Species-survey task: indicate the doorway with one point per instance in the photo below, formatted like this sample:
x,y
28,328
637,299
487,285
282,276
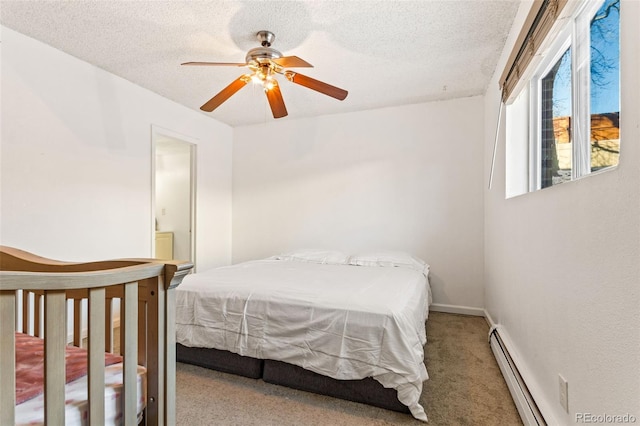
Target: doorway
x,y
174,196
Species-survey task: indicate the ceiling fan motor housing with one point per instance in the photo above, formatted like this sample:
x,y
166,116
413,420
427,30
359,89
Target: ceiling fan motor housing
x,y
262,54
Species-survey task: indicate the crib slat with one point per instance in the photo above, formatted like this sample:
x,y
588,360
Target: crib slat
x,y
77,323
36,315
96,356
155,353
108,332
25,311
142,331
7,356
170,342
130,352
122,336
54,360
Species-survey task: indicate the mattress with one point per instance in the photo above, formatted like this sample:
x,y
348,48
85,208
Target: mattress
x,y
342,321
30,384
31,412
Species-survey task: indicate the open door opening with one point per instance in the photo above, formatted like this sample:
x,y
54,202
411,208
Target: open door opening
x,y
173,204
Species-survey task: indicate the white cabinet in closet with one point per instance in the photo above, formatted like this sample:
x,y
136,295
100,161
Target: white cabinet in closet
x,y
164,245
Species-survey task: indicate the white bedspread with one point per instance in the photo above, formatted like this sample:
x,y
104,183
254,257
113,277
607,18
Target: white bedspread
x,y
342,321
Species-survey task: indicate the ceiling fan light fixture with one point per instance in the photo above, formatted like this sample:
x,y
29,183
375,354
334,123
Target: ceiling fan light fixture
x,y
263,76
264,62
269,84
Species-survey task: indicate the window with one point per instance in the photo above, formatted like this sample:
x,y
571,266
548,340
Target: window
x,y
573,96
605,86
554,105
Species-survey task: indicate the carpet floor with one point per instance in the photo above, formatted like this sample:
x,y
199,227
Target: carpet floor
x,y
465,387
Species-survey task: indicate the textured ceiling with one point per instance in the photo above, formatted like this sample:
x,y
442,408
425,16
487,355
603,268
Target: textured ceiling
x,y
385,53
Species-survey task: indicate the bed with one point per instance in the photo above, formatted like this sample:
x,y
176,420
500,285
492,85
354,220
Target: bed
x,y
347,326
91,385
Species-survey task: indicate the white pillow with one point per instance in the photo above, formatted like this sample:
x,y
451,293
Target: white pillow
x,y
315,256
390,258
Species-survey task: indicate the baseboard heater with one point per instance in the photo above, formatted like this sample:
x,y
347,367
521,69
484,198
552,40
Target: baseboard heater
x,y
525,404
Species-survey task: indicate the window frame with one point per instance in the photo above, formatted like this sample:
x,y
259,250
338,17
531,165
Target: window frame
x,y
562,42
573,31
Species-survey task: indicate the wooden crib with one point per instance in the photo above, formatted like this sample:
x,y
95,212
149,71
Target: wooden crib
x,y
145,288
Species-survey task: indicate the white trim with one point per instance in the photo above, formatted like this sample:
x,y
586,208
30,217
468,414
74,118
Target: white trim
x,y
456,309
194,194
489,319
535,129
581,91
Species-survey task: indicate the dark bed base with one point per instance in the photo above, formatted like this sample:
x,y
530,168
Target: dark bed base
x,y
224,361
366,391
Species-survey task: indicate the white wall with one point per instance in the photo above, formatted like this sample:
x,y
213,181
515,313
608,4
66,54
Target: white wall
x,y
404,178
562,271
76,160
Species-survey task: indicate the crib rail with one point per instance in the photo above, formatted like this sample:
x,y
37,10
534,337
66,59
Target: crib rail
x,y
42,287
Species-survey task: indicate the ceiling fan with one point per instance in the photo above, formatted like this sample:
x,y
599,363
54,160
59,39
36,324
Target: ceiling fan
x,y
264,62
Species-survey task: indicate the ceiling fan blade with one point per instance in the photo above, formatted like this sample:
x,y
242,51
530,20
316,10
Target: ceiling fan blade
x,y
317,85
292,62
214,64
225,93
276,102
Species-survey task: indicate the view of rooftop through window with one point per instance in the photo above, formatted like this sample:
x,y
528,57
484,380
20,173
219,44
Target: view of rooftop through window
x,y
555,155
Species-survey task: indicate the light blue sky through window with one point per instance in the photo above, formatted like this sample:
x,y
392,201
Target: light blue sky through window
x,y
605,59
605,66
562,87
